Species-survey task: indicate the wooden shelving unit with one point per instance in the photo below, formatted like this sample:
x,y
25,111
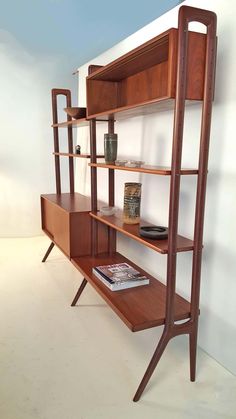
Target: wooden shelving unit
x,y
168,72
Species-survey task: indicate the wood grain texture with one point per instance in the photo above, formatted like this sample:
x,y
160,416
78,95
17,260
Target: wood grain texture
x,y
132,231
144,86
195,66
153,170
101,95
79,234
56,223
139,308
172,61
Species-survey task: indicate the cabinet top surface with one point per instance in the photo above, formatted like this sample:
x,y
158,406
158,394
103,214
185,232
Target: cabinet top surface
x,y
70,202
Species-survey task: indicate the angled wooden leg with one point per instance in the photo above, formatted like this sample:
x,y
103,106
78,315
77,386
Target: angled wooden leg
x,y
79,292
193,353
151,367
48,252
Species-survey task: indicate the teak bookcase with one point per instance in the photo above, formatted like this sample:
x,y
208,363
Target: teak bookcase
x,y
166,72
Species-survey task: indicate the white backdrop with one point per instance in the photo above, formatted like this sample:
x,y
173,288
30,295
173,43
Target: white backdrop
x,y
26,166
26,140
149,138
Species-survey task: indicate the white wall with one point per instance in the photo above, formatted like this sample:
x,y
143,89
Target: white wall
x,y
149,138
26,161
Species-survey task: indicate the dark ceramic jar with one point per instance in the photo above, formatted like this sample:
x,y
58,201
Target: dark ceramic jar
x,y
110,148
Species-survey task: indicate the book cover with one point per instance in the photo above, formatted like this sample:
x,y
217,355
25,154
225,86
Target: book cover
x,y
120,276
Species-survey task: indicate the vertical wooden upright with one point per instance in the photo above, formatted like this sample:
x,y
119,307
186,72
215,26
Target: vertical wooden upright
x,y
93,151
190,327
55,94
93,159
111,194
67,94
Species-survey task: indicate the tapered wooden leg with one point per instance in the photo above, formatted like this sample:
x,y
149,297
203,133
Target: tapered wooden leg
x,y
79,292
193,353
48,252
151,367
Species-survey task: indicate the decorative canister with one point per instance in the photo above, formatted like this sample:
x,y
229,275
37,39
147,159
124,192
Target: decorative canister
x,y
110,148
132,200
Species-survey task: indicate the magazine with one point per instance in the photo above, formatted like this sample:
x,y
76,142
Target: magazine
x,y
120,276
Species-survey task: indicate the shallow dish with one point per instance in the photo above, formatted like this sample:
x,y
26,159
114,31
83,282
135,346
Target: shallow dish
x,y
108,210
134,163
120,162
154,232
75,112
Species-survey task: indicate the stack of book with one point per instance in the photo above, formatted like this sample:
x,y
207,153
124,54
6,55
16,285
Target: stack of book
x,y
120,276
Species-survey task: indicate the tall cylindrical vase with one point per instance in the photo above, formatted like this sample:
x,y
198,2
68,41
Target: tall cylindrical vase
x,y
110,148
132,201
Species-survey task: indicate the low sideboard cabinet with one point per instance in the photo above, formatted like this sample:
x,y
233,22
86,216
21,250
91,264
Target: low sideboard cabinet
x,y
67,223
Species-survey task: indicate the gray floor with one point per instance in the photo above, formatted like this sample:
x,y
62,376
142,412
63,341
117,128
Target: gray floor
x,y
59,362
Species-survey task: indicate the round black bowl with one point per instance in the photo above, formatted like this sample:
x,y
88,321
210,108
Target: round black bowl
x,y
154,232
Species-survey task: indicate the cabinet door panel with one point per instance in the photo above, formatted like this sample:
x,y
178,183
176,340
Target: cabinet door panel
x,y
55,222
80,234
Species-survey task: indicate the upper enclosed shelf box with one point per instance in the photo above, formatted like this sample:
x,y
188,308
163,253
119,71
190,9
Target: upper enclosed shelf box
x,y
145,78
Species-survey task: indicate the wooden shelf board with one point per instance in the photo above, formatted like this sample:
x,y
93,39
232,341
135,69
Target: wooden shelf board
x,y
140,307
70,202
161,104
156,170
81,156
82,122
132,230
